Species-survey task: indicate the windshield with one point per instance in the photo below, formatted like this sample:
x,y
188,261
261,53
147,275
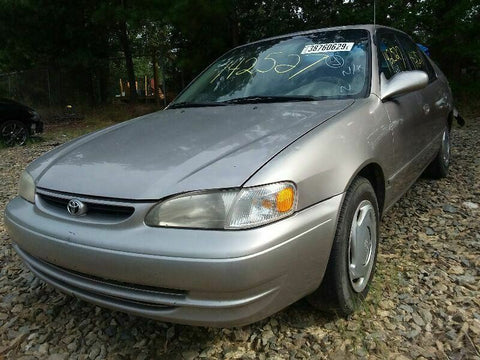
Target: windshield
x,y
322,65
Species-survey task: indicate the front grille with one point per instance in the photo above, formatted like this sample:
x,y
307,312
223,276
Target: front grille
x,y
124,294
119,284
96,208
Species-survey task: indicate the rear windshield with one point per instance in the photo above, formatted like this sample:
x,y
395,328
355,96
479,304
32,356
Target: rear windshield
x,y
330,64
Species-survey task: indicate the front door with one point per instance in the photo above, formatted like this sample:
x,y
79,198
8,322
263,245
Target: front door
x,y
406,116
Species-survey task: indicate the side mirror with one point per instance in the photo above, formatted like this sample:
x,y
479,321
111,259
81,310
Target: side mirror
x,y
401,83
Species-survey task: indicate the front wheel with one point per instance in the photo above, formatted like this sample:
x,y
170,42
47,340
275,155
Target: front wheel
x,y
13,132
352,260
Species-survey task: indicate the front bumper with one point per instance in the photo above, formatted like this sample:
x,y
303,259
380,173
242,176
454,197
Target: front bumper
x,y
197,277
37,126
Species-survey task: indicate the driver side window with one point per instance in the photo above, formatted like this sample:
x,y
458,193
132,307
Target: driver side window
x,y
390,56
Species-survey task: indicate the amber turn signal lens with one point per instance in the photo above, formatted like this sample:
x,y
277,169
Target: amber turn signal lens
x,y
285,199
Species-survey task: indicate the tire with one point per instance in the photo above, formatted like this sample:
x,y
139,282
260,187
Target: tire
x,y
14,132
354,252
438,168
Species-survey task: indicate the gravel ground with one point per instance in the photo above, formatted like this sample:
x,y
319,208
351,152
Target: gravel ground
x,y
424,303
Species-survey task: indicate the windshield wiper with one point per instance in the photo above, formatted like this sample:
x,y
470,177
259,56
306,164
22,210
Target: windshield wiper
x,y
187,104
269,99
244,100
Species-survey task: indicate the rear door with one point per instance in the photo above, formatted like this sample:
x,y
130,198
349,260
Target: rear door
x,y
434,99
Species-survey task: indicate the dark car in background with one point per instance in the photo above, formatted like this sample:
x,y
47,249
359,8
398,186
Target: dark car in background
x,y
17,122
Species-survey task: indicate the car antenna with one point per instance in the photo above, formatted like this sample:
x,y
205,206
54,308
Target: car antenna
x,y
374,13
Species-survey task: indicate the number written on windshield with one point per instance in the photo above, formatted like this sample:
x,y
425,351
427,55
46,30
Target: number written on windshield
x,y
272,62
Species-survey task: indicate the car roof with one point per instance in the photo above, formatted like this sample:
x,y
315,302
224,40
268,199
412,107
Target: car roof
x,y
369,27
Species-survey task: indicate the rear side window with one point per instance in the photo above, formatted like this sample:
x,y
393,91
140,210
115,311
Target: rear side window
x,y
390,57
416,57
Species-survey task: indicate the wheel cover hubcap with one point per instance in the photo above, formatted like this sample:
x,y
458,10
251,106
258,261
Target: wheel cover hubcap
x,y
362,245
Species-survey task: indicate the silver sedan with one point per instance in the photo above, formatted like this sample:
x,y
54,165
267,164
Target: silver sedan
x,y
262,183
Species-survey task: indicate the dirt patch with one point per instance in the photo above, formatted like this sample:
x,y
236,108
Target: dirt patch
x,y
424,304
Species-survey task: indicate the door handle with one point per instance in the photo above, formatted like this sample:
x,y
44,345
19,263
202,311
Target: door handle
x,y
426,109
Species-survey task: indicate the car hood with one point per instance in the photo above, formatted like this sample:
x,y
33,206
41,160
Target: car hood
x,y
179,150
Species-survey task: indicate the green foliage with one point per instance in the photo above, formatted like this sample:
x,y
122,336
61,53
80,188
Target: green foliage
x,y
99,41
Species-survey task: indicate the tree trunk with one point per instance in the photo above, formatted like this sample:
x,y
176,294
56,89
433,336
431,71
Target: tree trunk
x,y
155,77
163,78
104,77
125,43
234,27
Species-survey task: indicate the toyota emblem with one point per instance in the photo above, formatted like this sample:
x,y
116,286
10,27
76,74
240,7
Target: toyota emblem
x,y
76,207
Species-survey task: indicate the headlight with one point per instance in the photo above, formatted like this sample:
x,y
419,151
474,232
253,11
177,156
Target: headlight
x,y
26,187
226,209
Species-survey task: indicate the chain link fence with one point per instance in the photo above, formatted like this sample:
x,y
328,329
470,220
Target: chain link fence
x,y
42,88
53,88
32,87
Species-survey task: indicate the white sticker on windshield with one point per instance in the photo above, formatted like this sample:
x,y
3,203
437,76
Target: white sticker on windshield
x,y
322,48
